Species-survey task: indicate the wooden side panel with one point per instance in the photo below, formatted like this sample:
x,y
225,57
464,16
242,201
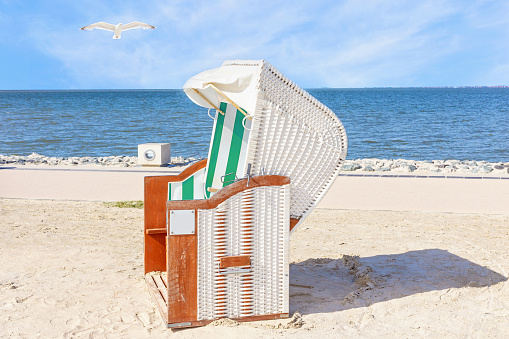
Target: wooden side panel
x,y
156,197
183,277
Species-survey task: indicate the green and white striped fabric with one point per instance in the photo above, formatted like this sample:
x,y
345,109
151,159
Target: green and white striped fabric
x,y
227,155
190,189
228,148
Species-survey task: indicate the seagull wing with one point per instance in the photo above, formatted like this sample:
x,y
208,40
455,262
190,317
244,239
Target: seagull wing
x,y
99,25
136,24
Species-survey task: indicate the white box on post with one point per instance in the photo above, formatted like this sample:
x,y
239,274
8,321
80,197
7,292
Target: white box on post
x,y
154,154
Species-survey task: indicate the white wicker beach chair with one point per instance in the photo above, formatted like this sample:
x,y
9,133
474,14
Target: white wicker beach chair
x,y
216,235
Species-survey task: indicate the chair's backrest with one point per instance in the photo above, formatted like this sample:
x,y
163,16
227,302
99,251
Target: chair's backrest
x,y
228,148
291,133
226,157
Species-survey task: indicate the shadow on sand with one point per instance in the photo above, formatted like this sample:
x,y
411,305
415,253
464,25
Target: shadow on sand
x,y
329,285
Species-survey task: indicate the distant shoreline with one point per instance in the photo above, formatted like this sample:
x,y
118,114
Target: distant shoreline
x,y
179,89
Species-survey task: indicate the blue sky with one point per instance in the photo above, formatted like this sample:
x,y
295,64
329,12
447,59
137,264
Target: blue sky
x,y
318,43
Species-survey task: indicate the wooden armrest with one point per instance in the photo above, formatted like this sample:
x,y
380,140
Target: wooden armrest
x,y
227,192
156,231
188,171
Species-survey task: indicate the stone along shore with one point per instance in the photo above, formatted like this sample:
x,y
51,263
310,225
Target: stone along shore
x,y
435,166
118,161
362,165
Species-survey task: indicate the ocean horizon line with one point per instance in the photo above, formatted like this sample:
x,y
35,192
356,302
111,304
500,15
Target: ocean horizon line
x,y
306,88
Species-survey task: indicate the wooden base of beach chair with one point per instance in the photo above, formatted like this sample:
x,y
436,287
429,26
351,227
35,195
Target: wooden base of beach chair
x,y
223,257
158,286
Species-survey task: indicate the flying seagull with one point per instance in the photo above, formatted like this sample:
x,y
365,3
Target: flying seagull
x,y
117,28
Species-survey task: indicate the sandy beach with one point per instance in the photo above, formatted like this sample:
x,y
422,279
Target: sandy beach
x,y
339,169
74,269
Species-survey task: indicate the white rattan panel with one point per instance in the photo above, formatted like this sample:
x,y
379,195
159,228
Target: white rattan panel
x,y
294,135
255,223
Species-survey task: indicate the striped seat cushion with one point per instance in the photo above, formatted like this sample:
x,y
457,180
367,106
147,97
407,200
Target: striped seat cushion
x,y
227,157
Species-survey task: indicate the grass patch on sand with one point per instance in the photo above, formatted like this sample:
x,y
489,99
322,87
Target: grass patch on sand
x,y
125,204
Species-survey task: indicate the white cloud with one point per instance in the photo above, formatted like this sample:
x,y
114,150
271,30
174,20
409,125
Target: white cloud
x,y
371,44
316,43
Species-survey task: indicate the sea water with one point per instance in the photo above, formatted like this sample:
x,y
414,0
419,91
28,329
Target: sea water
x,y
413,123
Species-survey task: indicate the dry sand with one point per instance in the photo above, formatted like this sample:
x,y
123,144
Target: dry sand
x,y
75,269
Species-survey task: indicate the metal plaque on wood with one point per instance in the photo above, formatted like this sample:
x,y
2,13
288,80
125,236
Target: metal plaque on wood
x,y
182,222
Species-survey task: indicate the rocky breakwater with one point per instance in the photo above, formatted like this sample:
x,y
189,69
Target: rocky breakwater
x,y
434,166
358,165
118,161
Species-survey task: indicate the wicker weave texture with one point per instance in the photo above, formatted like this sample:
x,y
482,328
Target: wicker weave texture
x,y
254,223
295,135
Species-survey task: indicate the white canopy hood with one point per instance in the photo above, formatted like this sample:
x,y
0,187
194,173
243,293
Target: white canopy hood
x,y
236,82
